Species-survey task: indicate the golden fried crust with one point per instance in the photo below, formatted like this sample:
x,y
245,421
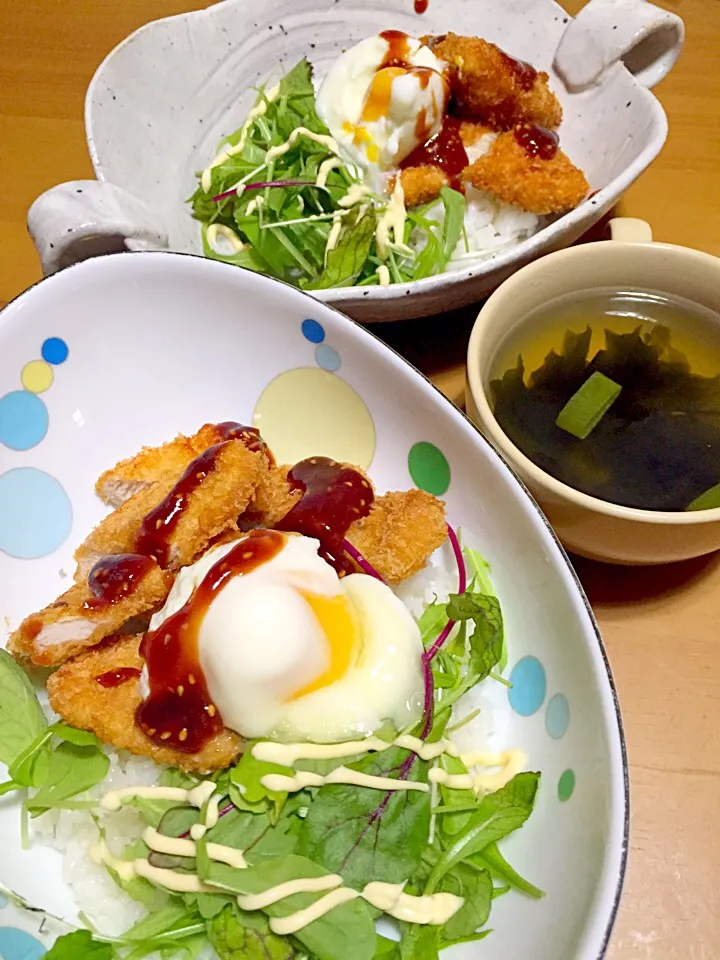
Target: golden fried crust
x,y
400,532
273,499
423,184
471,132
110,712
212,508
75,622
488,85
537,185
153,464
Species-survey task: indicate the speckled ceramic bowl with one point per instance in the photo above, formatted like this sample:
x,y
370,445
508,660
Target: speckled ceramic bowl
x,y
109,355
162,100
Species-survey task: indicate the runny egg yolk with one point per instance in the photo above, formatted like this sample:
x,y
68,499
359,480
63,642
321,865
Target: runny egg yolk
x,y
338,623
360,135
377,102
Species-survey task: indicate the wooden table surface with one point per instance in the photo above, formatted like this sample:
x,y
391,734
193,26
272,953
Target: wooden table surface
x,y
661,626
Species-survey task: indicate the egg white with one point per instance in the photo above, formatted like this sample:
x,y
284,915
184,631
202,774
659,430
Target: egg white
x,y
261,643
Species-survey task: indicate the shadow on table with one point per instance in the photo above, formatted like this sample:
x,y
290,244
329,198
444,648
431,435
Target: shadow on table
x,y
607,584
439,343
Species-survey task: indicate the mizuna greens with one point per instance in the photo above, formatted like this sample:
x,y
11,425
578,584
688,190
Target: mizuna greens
x,y
445,840
284,220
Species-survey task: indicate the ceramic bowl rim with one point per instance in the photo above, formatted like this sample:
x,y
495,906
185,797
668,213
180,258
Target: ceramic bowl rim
x,y
615,883
511,452
435,284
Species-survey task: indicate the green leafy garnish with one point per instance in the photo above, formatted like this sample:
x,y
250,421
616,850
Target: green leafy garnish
x,y
72,770
78,944
231,940
346,260
21,718
586,408
706,501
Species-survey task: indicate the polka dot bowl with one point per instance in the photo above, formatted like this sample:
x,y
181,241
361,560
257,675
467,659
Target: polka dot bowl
x,y
127,350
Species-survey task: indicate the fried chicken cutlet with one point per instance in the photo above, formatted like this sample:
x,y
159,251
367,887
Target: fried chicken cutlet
x,y
204,502
541,186
76,620
109,712
397,537
157,464
489,85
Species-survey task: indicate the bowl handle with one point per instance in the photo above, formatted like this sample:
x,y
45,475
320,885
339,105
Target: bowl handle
x,y
85,218
630,230
647,39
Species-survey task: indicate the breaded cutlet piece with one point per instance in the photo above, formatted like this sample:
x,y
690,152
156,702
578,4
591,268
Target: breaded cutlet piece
x,y
400,532
273,498
488,85
75,622
153,464
532,183
422,184
471,132
110,712
212,507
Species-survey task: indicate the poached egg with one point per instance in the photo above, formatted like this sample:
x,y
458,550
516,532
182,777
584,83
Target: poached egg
x,y
383,98
290,651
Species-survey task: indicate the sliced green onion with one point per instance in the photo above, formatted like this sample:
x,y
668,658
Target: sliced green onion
x,y
707,500
586,408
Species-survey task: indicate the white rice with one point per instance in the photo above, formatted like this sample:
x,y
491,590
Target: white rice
x,y
489,224
72,832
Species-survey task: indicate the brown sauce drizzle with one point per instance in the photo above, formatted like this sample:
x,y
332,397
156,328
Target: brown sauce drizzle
x,y
445,150
159,525
524,73
537,141
179,711
114,678
421,6
115,577
333,497
250,436
398,51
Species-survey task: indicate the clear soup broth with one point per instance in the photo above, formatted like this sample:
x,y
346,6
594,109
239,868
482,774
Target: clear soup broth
x,y
657,445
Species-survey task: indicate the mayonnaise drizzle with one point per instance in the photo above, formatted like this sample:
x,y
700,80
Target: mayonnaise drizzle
x,y
196,797
390,898
511,763
301,918
257,111
287,754
332,163
393,219
181,847
334,234
356,193
258,901
101,853
216,230
282,784
282,148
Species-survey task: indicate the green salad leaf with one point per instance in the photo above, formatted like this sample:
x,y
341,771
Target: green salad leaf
x,y
231,940
21,718
491,859
498,815
346,260
78,944
363,834
72,769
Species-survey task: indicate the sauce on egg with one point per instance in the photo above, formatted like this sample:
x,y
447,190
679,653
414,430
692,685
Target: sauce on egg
x,y
445,150
333,497
179,711
115,577
398,51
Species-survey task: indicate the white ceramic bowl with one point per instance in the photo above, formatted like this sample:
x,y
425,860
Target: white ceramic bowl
x,y
162,100
140,346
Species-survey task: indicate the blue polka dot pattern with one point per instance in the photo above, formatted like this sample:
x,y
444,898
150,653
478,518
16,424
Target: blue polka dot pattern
x,y
35,513
55,350
557,716
529,685
23,420
17,945
313,331
327,357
